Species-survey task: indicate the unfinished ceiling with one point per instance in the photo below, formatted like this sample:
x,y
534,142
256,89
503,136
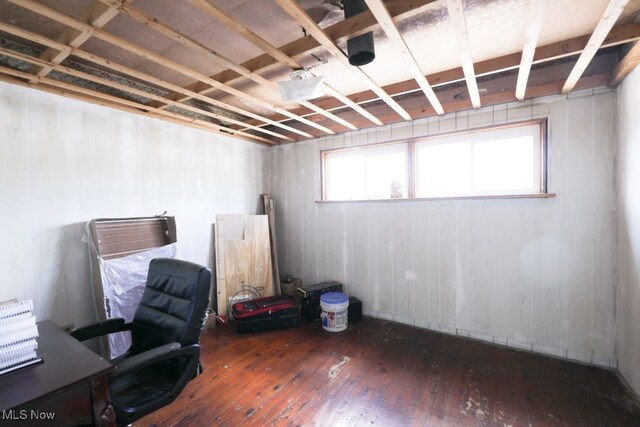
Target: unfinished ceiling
x,y
214,64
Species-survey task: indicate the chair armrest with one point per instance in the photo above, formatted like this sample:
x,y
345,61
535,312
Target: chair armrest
x,y
105,327
153,356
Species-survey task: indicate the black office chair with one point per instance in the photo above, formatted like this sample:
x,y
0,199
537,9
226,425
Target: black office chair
x,y
165,334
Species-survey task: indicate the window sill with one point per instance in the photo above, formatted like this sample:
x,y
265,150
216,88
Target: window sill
x,y
430,199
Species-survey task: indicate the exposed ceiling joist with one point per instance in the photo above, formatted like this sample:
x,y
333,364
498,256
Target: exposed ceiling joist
x,y
608,20
103,81
99,101
114,101
536,13
185,40
276,53
98,15
245,32
348,102
350,27
456,16
158,59
386,22
338,32
620,34
543,81
36,38
172,87
136,74
301,17
627,65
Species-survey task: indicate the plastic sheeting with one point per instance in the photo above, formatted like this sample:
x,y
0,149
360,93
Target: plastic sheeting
x,y
123,282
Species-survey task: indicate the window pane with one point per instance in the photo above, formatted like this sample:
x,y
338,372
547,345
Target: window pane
x,y
501,161
444,169
345,177
386,176
506,164
366,173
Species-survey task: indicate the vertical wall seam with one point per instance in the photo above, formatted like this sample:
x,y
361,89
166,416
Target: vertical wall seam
x,y
614,117
593,215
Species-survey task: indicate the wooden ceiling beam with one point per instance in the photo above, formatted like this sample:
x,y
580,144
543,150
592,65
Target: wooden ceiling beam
x,y
33,37
349,103
245,32
301,17
542,82
276,53
129,89
620,34
183,39
626,66
536,13
158,59
611,14
97,15
173,87
456,17
27,35
338,32
386,22
502,96
97,101
478,70
115,101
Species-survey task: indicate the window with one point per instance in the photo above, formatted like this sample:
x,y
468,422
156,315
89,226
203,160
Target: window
x,y
369,173
504,161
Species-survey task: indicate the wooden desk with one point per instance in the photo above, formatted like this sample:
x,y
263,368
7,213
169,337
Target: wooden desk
x,y
71,384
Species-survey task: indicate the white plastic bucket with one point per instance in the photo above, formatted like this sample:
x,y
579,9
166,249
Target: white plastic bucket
x,y
335,311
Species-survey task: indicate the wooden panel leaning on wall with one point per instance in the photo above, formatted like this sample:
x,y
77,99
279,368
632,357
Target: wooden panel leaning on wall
x,y
243,257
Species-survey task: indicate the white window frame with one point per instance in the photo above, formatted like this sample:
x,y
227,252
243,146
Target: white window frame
x,y
478,133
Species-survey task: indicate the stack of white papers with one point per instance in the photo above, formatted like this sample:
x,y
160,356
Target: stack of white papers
x,y
18,335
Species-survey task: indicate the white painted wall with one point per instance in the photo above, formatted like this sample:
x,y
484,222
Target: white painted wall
x,y
64,162
628,186
530,273
534,274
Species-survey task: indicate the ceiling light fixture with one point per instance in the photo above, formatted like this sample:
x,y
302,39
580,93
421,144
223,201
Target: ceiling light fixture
x,y
302,86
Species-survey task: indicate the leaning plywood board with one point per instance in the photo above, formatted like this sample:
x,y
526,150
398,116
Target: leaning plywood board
x,y
243,256
269,211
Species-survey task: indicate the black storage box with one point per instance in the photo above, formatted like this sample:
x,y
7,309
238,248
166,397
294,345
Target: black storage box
x,y
280,311
310,296
355,309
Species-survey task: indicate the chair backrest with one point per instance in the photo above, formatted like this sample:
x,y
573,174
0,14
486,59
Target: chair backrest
x,y
172,306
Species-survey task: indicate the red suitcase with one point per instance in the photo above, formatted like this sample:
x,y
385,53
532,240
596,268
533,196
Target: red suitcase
x,y
281,311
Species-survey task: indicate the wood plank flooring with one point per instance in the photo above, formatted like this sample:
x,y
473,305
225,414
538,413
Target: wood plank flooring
x,y
383,373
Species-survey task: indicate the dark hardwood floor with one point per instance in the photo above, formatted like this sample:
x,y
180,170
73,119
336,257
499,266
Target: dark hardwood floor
x,y
383,373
